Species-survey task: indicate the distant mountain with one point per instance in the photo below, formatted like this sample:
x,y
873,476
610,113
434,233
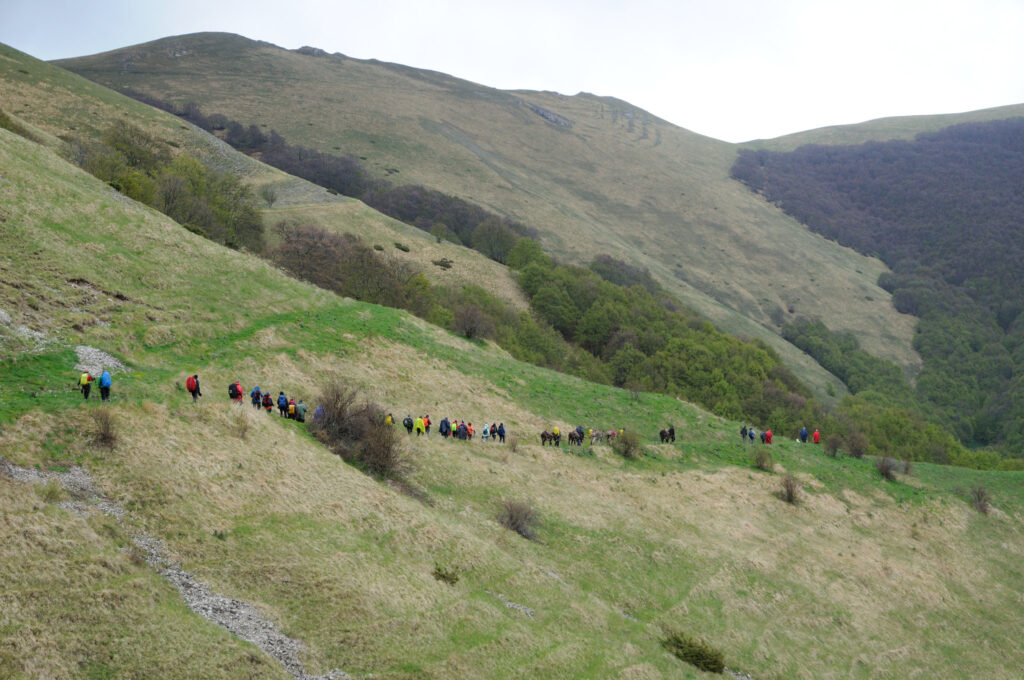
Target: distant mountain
x,y
594,175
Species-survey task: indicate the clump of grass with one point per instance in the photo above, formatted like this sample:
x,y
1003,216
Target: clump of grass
x,y
241,424
763,459
790,490
354,430
520,517
627,445
52,492
106,430
449,575
513,443
886,467
695,652
981,500
908,468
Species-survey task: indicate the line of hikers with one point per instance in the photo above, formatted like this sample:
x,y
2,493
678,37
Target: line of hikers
x,y
86,380
749,433
454,428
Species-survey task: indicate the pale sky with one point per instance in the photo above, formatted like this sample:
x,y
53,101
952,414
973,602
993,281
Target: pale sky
x,y
735,70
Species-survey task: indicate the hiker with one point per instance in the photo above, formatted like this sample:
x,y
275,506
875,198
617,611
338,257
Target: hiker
x,y
300,412
743,434
768,436
291,409
579,433
318,414
558,436
494,433
501,432
763,437
803,435
85,384
469,431
407,422
426,424
268,403
389,420
672,433
485,434
816,437
257,397
751,433
419,426
444,427
105,385
192,385
282,404
235,392
462,431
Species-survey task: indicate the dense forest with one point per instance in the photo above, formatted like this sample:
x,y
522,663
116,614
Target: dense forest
x,y
946,213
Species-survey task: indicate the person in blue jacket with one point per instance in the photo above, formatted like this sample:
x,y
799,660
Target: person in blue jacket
x,y
105,382
803,435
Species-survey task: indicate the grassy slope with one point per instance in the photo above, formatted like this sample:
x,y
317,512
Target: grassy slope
x,y
864,579
618,181
59,104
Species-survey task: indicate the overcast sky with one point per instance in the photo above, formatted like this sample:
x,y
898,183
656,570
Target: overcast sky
x,y
731,69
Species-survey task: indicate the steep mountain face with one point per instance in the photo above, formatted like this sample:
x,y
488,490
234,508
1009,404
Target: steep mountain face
x,y
592,174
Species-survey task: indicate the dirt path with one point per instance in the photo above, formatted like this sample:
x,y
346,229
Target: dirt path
x,y
238,617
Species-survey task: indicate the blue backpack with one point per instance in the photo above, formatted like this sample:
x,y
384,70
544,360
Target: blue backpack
x,y
105,379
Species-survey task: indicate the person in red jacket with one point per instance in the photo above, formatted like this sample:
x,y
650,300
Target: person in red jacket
x,y
768,436
816,437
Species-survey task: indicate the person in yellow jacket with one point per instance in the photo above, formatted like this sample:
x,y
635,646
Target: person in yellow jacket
x,y
419,426
389,420
85,383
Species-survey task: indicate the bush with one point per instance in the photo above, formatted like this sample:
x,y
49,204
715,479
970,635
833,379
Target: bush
x,y
106,432
886,467
790,491
832,444
471,322
520,517
513,443
449,575
354,430
241,424
857,444
980,499
695,652
627,445
763,459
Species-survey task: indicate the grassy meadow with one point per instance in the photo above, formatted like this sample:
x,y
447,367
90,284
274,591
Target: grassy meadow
x,y
863,578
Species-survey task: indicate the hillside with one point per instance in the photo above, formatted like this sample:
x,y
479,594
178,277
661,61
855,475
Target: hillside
x,y
593,175
60,105
688,538
862,578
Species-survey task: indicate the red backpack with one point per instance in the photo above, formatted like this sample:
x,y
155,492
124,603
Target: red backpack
x,y
190,384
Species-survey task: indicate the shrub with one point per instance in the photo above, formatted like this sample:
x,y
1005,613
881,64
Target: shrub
x,y
980,499
401,246
241,424
832,444
513,443
449,575
857,444
886,467
790,491
106,432
520,517
763,459
471,322
354,430
627,445
695,652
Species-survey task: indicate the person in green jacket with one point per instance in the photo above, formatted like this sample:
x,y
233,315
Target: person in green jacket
x,y
300,412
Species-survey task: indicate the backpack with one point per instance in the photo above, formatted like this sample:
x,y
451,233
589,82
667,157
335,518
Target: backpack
x,y
233,391
190,383
291,408
407,422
